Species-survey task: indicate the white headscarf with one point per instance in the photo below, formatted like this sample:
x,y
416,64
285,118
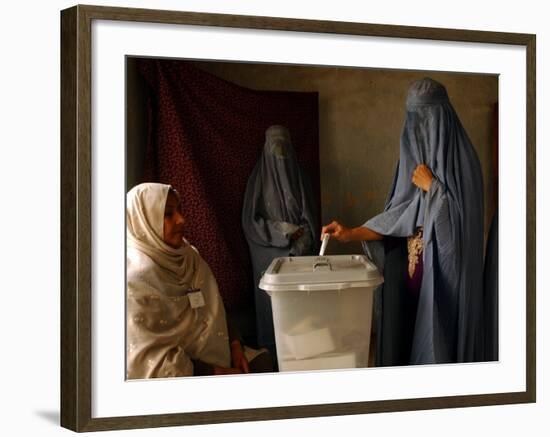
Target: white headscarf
x,y
145,204
164,332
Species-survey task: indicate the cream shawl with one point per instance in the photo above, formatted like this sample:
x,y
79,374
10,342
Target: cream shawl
x,y
164,333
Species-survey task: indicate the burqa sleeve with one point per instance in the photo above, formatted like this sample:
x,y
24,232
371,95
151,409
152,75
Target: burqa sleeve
x,y
438,223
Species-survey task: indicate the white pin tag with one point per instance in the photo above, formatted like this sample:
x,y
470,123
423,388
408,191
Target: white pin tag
x,y
196,299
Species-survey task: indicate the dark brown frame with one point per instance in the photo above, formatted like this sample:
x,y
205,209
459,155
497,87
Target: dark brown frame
x,y
76,192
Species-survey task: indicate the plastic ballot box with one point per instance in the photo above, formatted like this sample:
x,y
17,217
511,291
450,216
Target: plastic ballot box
x,y
322,310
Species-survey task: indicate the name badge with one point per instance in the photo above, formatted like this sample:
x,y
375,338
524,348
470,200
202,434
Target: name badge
x,y
196,299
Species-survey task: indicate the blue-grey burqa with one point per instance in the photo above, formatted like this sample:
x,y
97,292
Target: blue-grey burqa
x,y
448,325
277,202
490,297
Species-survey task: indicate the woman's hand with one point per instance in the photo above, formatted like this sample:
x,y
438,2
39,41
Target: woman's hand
x,y
422,177
337,231
238,359
297,234
218,370
343,234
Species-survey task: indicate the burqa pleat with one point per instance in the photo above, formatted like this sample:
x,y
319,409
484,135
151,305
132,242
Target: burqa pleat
x,y
490,297
278,200
450,303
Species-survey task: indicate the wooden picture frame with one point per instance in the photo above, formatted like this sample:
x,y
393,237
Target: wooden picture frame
x,y
76,218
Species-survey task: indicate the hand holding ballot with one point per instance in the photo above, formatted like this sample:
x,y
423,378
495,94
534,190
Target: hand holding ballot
x,y
344,234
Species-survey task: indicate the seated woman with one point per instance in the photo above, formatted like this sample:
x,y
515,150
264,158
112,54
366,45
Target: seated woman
x,y
176,322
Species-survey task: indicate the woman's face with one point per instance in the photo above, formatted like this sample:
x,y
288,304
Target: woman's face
x,y
279,149
173,221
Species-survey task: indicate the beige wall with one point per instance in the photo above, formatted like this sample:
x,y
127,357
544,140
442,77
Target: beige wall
x,y
361,112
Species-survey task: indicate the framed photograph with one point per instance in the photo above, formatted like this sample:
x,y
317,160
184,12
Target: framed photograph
x,y
267,218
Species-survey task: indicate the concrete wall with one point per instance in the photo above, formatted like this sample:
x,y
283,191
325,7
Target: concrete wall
x,y
361,112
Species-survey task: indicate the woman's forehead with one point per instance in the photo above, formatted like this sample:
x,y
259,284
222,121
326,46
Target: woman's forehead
x,y
172,199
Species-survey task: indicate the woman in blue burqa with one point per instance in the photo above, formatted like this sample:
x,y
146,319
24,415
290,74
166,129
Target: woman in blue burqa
x,y
428,241
278,218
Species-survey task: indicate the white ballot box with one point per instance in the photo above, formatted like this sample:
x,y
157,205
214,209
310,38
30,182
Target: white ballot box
x,y
322,310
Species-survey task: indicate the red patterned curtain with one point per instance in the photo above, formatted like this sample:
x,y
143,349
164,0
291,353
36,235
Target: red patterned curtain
x,y
205,136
